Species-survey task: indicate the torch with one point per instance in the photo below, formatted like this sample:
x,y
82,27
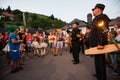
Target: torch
x,y
101,24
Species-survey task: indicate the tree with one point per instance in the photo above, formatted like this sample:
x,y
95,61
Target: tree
x,y
17,11
8,9
18,15
52,17
1,10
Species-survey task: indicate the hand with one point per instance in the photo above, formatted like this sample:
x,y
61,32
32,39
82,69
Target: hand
x,y
20,41
80,39
100,47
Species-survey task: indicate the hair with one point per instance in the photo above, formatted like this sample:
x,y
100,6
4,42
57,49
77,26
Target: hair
x,y
118,25
77,23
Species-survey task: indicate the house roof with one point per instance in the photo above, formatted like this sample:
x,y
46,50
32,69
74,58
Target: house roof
x,y
81,23
7,14
114,21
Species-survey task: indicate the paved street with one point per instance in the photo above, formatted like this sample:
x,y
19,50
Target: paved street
x,y
53,68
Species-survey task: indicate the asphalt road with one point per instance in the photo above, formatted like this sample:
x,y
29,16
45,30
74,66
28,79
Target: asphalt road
x,y
53,68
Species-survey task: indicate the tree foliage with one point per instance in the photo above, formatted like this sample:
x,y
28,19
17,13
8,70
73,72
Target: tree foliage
x,y
8,9
34,20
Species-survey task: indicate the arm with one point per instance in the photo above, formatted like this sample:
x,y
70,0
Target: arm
x,y
15,41
102,35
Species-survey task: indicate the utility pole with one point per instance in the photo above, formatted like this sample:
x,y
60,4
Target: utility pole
x,y
24,21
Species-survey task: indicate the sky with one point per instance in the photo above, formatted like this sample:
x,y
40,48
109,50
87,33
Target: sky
x,y
66,10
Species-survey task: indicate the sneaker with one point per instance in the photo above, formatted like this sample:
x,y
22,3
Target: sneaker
x,y
76,62
20,68
14,70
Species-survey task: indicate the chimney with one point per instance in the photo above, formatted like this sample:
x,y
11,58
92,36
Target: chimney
x,y
89,19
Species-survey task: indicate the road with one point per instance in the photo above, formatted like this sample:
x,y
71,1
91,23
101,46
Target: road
x,y
53,68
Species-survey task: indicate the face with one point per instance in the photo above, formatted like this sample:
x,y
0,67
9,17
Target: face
x,y
74,25
6,32
115,27
37,32
88,30
22,29
50,33
29,34
96,11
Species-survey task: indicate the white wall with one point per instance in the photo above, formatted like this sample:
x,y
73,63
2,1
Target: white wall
x,y
83,29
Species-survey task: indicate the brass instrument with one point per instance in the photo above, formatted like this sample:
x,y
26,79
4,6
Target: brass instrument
x,y
78,35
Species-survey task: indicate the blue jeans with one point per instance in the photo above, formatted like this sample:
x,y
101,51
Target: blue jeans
x,y
113,58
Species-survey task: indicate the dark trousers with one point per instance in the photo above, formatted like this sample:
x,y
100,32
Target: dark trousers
x,y
82,47
1,47
100,66
75,51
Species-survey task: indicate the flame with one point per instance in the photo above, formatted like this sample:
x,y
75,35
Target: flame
x,y
101,23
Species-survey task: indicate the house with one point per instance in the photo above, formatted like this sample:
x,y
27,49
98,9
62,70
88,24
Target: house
x,y
82,25
7,15
113,22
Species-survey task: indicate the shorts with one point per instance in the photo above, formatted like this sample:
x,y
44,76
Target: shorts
x,y
51,45
66,45
15,55
60,44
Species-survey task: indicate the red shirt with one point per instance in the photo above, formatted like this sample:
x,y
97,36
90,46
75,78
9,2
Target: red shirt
x,y
29,38
6,36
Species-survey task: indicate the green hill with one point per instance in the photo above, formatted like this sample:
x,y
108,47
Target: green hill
x,y
33,20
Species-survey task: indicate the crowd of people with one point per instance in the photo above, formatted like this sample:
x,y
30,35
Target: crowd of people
x,y
38,43
22,43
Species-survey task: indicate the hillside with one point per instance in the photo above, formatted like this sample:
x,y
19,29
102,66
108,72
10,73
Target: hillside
x,y
33,20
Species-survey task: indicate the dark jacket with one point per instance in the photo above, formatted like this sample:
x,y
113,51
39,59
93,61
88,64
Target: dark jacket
x,y
97,35
74,36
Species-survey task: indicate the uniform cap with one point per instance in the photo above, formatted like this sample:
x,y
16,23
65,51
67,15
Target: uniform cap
x,y
100,6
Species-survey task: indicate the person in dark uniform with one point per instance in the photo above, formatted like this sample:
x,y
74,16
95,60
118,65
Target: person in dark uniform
x,y
98,38
87,37
75,39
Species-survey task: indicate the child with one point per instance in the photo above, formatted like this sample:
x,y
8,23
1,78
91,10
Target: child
x,y
113,55
29,41
35,45
66,40
43,46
